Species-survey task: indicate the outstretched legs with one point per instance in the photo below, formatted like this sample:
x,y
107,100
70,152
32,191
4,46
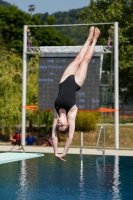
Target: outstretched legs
x,y
81,72
73,67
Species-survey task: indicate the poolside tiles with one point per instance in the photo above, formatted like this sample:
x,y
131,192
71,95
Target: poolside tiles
x,y
11,157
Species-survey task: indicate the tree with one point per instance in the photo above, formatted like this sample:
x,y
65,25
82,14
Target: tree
x,y
10,91
12,21
76,33
5,4
112,11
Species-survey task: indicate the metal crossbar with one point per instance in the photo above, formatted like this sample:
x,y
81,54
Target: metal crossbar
x,y
103,150
61,25
67,49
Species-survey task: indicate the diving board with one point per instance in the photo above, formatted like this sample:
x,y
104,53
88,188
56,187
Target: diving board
x,y
12,157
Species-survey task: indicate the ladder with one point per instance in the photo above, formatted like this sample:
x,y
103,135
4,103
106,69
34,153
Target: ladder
x,y
103,150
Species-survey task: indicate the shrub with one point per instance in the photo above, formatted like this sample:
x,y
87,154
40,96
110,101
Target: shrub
x,y
86,121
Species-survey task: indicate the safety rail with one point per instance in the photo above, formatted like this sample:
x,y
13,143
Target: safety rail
x,y
103,150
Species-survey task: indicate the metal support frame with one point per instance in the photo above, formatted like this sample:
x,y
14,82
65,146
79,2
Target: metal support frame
x,y
38,50
24,84
116,83
34,50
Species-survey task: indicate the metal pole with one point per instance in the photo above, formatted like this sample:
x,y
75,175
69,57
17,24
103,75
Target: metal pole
x,y
116,82
61,25
81,144
24,84
81,139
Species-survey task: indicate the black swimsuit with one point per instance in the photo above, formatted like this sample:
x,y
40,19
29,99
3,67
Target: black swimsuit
x,y
67,94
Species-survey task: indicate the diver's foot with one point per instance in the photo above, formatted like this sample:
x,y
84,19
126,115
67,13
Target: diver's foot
x,y
91,33
96,33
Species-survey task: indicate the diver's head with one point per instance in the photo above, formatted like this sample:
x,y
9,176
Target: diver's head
x,y
62,124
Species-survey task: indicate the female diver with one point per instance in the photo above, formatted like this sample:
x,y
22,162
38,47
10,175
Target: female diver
x,y
71,81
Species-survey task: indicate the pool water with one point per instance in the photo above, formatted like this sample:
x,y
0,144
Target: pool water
x,y
89,178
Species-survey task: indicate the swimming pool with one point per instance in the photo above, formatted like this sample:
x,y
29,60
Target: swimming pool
x,y
77,179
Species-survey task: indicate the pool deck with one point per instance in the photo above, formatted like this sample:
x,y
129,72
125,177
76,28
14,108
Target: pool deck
x,y
85,151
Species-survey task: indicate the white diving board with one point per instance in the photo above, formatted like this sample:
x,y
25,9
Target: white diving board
x,y
12,157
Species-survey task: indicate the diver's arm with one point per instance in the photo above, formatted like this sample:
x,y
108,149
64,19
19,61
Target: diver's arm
x,y
54,134
55,138
71,121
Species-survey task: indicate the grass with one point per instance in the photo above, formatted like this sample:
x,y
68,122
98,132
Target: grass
x,y
110,119
90,138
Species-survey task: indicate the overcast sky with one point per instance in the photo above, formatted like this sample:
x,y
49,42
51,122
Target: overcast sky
x,y
50,6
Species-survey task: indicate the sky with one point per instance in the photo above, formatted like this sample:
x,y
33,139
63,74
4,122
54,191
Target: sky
x,y
50,6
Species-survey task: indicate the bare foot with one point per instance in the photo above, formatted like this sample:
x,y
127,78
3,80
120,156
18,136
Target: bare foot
x,y
91,33
96,33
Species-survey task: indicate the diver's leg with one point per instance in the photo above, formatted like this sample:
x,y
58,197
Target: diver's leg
x,y
81,72
73,66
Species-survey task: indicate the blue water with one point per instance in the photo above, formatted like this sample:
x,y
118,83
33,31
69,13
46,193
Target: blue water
x,y
49,178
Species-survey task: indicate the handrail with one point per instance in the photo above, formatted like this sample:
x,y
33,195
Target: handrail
x,y
103,150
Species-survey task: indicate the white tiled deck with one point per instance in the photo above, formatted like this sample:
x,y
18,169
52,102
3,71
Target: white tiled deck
x,y
87,151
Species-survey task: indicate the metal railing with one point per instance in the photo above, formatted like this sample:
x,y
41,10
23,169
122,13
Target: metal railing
x,y
103,150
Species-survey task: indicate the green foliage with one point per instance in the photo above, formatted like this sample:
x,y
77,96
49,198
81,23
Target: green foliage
x,y
11,93
43,120
86,121
12,21
10,90
2,46
105,78
51,19
11,27
48,120
116,11
32,80
77,34
5,4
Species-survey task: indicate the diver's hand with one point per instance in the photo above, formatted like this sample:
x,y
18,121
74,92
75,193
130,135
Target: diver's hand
x,y
60,156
